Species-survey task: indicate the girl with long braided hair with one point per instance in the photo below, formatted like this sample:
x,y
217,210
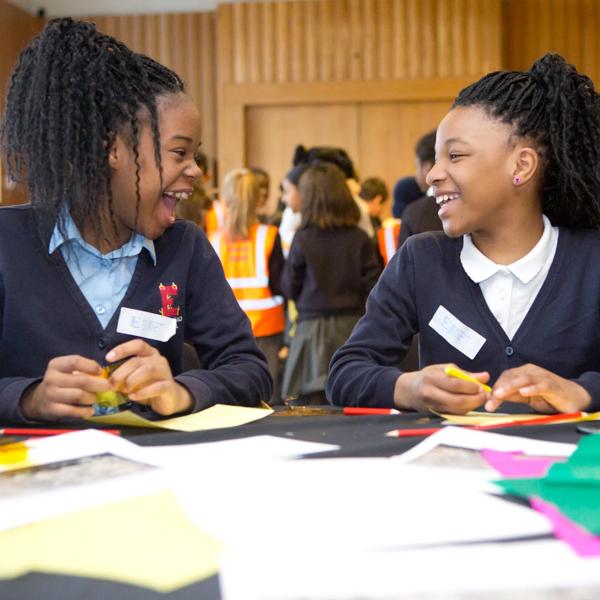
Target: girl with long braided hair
x,y
96,269
511,292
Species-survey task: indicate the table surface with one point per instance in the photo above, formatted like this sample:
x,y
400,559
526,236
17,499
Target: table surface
x,y
356,437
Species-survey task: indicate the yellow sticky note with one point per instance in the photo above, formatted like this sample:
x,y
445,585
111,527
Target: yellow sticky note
x,y
215,417
146,541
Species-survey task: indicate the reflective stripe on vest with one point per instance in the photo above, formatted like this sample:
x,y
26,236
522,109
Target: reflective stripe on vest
x,y
388,240
265,311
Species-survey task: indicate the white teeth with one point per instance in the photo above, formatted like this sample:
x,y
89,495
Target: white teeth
x,y
178,195
443,198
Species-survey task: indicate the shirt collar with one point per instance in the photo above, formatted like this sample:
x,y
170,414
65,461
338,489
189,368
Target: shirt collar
x,y
71,235
479,267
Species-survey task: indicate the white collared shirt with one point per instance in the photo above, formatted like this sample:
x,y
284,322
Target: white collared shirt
x,y
509,290
102,278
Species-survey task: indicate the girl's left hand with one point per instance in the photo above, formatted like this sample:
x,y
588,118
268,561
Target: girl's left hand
x,y
146,378
544,391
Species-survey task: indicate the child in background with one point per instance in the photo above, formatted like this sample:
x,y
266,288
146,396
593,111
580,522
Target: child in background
x,y
252,260
512,294
106,140
290,220
387,229
194,207
264,187
340,158
330,270
408,190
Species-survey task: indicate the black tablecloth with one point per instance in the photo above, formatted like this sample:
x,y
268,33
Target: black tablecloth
x,y
356,436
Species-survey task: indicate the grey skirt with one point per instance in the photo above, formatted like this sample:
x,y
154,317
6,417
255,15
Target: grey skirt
x,y
311,349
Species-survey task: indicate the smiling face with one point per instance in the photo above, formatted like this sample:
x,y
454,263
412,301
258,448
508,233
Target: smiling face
x,y
179,126
473,177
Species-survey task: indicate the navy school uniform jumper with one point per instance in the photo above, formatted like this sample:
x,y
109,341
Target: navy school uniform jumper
x,y
560,332
43,315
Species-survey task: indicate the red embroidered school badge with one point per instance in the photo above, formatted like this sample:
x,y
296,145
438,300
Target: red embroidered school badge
x,y
168,293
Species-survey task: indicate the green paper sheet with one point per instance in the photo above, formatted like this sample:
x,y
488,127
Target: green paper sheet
x,y
573,487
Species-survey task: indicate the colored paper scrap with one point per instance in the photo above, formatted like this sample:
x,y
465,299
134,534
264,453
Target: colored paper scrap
x,y
216,417
517,464
582,542
14,454
146,541
573,487
476,418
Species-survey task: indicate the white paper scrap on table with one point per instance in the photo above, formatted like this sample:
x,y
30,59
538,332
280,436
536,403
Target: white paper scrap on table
x,y
480,440
364,503
48,482
431,574
250,449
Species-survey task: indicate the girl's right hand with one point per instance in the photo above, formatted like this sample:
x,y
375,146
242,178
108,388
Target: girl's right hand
x,y
67,391
431,390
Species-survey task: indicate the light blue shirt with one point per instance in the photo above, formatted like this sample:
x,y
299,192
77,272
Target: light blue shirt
x,y
102,278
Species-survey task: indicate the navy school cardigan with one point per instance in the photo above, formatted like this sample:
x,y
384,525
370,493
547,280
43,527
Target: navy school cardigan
x,y
43,314
561,331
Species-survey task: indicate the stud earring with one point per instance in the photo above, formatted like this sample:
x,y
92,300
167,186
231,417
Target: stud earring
x,y
516,180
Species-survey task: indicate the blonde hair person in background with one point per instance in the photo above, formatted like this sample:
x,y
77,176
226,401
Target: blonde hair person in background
x,y
253,261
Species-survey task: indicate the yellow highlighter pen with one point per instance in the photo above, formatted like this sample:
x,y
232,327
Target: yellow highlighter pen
x,y
454,372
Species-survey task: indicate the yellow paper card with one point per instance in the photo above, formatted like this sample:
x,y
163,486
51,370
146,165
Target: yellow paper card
x,y
484,418
475,418
146,541
215,417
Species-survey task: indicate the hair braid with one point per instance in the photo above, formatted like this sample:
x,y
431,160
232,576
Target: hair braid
x,y
72,90
558,109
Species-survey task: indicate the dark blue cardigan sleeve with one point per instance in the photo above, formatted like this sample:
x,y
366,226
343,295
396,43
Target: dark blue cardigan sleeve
x,y
234,370
363,372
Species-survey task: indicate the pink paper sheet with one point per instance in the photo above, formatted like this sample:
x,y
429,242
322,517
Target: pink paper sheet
x,y
580,540
517,464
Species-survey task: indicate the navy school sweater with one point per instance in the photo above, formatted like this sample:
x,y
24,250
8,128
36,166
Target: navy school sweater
x,y
561,331
43,314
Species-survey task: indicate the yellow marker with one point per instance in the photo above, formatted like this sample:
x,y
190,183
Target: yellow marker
x,y
454,372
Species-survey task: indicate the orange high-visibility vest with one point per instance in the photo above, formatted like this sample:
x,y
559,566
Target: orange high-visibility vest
x,y
214,218
246,266
387,238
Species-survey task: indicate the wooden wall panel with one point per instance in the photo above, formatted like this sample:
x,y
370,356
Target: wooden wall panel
x,y
378,136
570,27
360,40
186,43
17,28
273,132
388,133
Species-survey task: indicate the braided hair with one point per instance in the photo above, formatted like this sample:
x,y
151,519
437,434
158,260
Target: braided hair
x,y
72,90
558,109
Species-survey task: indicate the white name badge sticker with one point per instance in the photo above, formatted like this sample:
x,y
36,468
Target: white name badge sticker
x,y
146,325
456,333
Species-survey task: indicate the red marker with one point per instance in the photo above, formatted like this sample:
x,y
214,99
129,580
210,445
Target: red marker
x,y
535,420
44,432
364,410
416,432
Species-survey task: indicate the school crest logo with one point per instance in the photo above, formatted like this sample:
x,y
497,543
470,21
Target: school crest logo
x,y
168,295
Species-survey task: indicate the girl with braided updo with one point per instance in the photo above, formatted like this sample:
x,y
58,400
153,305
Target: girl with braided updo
x,y
511,293
96,268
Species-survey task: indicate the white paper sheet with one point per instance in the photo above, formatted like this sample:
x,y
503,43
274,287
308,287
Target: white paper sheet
x,y
252,449
510,569
349,503
33,493
478,440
